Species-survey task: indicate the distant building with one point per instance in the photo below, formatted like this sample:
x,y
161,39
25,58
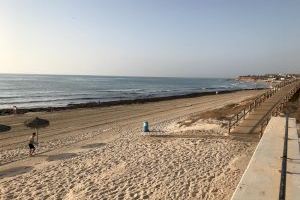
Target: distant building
x,y
268,77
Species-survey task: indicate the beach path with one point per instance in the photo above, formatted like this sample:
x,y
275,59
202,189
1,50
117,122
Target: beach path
x,y
253,123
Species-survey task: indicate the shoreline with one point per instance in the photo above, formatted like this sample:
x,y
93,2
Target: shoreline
x,y
7,111
185,154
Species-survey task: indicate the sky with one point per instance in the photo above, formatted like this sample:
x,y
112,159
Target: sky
x,y
181,38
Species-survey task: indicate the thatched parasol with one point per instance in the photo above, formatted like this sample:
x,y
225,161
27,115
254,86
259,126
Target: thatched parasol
x,y
4,128
37,123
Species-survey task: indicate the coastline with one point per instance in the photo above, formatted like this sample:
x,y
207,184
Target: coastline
x,y
193,157
8,111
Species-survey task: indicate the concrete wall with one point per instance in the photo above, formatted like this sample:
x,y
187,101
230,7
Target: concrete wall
x,y
262,177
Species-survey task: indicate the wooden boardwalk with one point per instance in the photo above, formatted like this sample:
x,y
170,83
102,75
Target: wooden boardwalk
x,y
254,122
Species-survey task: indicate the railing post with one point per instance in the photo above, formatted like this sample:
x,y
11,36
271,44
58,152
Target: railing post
x,y
229,126
261,130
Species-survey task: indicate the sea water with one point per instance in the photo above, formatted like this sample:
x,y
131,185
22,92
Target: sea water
x,y
33,91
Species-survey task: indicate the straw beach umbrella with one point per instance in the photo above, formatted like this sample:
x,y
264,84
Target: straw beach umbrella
x,y
37,123
4,128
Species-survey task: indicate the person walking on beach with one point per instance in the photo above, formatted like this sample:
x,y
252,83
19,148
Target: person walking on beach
x,y
31,144
15,110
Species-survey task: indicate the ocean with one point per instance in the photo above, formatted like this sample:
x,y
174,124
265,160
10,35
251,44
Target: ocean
x,y
35,91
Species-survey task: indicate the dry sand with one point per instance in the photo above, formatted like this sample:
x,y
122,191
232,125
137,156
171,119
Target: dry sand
x,y
101,153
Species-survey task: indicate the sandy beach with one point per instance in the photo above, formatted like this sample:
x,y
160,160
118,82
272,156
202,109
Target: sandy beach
x,y
101,153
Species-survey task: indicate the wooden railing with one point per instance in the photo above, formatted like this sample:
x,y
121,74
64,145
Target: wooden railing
x,y
234,120
278,107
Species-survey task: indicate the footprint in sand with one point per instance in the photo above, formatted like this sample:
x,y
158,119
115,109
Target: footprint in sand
x,y
94,145
62,156
15,171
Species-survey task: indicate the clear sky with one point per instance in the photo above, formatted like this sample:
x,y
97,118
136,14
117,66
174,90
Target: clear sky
x,y
211,38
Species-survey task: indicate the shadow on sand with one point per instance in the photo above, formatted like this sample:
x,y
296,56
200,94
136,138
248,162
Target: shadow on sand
x,y
62,156
94,145
4,128
191,136
15,171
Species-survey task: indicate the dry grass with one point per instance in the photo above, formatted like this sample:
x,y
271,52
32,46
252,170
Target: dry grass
x,y
294,109
222,114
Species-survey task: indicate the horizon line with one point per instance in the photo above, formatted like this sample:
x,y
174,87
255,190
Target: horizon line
x,y
138,76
